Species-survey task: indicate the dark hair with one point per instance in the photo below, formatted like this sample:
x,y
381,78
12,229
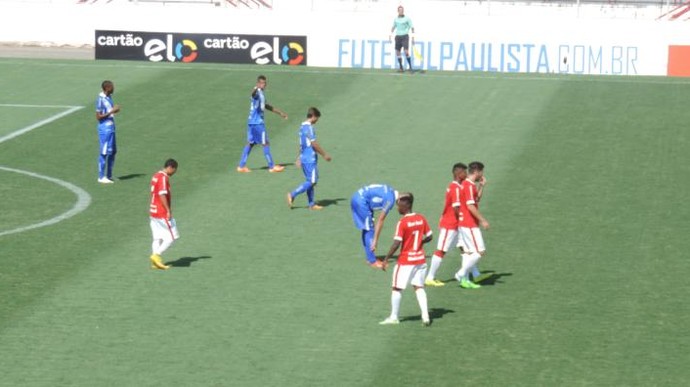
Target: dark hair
x,y
170,163
313,112
459,166
476,166
106,83
407,197
260,78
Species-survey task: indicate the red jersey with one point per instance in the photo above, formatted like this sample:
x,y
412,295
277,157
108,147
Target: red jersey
x,y
411,230
160,185
449,220
468,195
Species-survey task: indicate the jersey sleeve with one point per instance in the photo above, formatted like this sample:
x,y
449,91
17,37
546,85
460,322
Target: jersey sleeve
x,y
399,231
262,101
471,195
161,186
311,135
455,195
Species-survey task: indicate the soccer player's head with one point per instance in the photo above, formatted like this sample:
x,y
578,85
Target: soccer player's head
x,y
401,11
261,82
108,87
313,114
459,171
405,202
170,166
476,169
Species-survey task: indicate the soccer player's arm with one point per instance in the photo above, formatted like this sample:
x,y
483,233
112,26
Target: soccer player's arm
x,y
456,202
162,192
320,150
428,234
397,241
480,190
474,210
277,111
379,225
99,108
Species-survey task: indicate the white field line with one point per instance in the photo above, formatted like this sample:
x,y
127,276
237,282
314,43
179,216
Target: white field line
x,y
17,133
83,197
83,201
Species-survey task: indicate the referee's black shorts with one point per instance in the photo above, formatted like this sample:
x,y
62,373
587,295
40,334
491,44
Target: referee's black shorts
x,y
402,41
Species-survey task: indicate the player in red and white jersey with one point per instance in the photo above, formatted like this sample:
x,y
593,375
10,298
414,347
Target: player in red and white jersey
x,y
449,223
470,236
163,225
411,232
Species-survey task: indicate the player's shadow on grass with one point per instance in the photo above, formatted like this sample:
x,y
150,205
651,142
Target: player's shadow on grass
x,y
186,261
491,278
329,202
434,313
265,168
130,176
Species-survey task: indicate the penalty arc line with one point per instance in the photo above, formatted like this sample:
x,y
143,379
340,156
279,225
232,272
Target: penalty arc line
x,y
83,197
83,201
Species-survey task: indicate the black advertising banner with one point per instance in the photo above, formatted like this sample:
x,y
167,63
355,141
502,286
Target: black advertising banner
x,y
209,48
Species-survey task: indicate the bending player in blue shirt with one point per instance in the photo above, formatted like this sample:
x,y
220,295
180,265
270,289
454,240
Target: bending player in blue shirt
x,y
370,198
105,114
256,129
308,148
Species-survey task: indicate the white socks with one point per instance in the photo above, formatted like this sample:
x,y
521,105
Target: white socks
x,y
160,245
435,264
468,262
421,299
396,296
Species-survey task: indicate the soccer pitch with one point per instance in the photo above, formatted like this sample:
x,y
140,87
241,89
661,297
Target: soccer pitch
x,y
586,179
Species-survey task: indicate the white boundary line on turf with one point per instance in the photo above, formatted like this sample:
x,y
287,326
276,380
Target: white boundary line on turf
x,y
70,110
83,197
83,201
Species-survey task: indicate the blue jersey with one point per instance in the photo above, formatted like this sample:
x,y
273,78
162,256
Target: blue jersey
x,y
306,137
104,104
257,107
378,197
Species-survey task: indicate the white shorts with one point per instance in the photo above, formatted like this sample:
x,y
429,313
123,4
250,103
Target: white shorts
x,y
471,240
164,229
446,238
413,274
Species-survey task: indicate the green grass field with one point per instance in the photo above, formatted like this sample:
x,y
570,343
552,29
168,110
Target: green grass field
x,y
588,245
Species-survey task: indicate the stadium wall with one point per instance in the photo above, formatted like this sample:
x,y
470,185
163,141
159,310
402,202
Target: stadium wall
x,y
445,40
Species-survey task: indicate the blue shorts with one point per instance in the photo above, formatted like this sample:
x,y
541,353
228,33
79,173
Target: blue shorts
x,y
362,215
311,172
108,145
256,134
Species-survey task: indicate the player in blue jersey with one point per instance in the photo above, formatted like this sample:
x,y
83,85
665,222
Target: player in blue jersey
x,y
105,115
370,198
256,130
308,149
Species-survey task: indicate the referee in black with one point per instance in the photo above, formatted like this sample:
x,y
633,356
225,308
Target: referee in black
x,y
402,26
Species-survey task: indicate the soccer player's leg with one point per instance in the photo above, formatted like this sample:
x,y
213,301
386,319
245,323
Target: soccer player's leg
x,y
470,257
401,277
161,242
102,156
363,220
310,177
241,167
478,240
112,150
417,281
445,239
